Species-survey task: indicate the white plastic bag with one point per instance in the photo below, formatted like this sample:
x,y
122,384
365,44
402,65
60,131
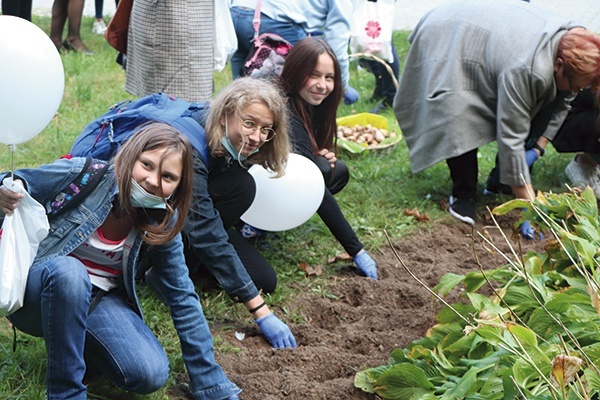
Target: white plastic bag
x,y
225,38
371,28
22,233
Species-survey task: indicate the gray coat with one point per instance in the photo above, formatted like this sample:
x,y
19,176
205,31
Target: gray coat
x,y
170,48
479,71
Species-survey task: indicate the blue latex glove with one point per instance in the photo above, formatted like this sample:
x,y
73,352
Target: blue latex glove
x,y
528,232
531,157
234,397
366,264
351,95
279,334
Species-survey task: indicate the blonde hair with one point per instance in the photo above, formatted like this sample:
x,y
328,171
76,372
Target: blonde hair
x,y
149,137
234,98
580,51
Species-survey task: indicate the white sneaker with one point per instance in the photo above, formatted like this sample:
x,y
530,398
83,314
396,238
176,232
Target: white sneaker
x,y
583,175
99,27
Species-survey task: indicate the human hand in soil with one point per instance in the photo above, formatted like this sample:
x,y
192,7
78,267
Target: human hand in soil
x,y
366,264
528,232
277,333
531,156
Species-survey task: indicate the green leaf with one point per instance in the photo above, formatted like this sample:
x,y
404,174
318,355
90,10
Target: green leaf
x,y
447,315
543,324
397,356
403,381
593,378
524,335
365,379
350,146
487,308
520,296
578,247
491,334
466,385
528,340
474,281
509,206
561,302
447,283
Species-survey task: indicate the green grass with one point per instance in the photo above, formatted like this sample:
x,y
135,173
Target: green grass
x,y
381,188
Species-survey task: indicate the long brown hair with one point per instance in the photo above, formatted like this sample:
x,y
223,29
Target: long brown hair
x,y
151,137
299,64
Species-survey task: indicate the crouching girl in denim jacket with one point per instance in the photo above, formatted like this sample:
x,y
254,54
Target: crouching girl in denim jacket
x,y
92,252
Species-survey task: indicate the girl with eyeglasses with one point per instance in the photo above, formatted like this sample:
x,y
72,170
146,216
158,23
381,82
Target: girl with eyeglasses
x,y
246,124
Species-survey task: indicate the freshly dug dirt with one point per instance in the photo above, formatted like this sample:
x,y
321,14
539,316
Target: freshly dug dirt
x,y
358,322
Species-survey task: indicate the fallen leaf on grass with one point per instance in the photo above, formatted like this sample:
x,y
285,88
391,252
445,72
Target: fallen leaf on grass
x,y
415,213
310,270
339,257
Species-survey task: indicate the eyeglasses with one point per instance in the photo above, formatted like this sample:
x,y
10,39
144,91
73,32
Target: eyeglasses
x,y
249,127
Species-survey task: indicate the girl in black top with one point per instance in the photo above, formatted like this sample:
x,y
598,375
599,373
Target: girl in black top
x,y
312,80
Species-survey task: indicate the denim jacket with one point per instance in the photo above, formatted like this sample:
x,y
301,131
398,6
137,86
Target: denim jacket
x,y
208,238
169,273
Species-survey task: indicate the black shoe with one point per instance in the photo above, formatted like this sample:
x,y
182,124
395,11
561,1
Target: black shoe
x,y
463,209
493,187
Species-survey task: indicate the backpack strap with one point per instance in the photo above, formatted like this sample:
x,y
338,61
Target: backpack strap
x,y
70,196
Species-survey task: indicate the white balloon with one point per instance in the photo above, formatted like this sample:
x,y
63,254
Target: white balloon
x,y
286,202
31,77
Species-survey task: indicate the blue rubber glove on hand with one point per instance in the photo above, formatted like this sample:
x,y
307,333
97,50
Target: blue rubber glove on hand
x,y
528,232
366,264
351,95
531,157
279,334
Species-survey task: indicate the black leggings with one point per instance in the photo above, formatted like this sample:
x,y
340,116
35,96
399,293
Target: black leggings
x,y
463,171
581,129
232,191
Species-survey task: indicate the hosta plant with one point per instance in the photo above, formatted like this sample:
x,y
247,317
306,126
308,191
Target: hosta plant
x,y
536,337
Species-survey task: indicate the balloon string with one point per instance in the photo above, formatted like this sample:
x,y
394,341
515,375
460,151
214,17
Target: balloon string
x,y
12,160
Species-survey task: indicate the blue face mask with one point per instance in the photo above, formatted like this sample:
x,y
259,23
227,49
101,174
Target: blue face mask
x,y
236,155
142,199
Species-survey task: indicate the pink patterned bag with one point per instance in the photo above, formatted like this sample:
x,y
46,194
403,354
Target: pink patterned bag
x,y
268,54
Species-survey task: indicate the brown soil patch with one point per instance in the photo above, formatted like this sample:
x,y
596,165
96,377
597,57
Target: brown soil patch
x,y
364,322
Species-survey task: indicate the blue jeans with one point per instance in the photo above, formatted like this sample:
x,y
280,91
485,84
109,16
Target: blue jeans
x,y
116,340
242,21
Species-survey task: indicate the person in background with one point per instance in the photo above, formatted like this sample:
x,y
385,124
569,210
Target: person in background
x,y
71,10
99,27
385,87
294,20
17,8
311,78
81,289
580,133
169,49
468,82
